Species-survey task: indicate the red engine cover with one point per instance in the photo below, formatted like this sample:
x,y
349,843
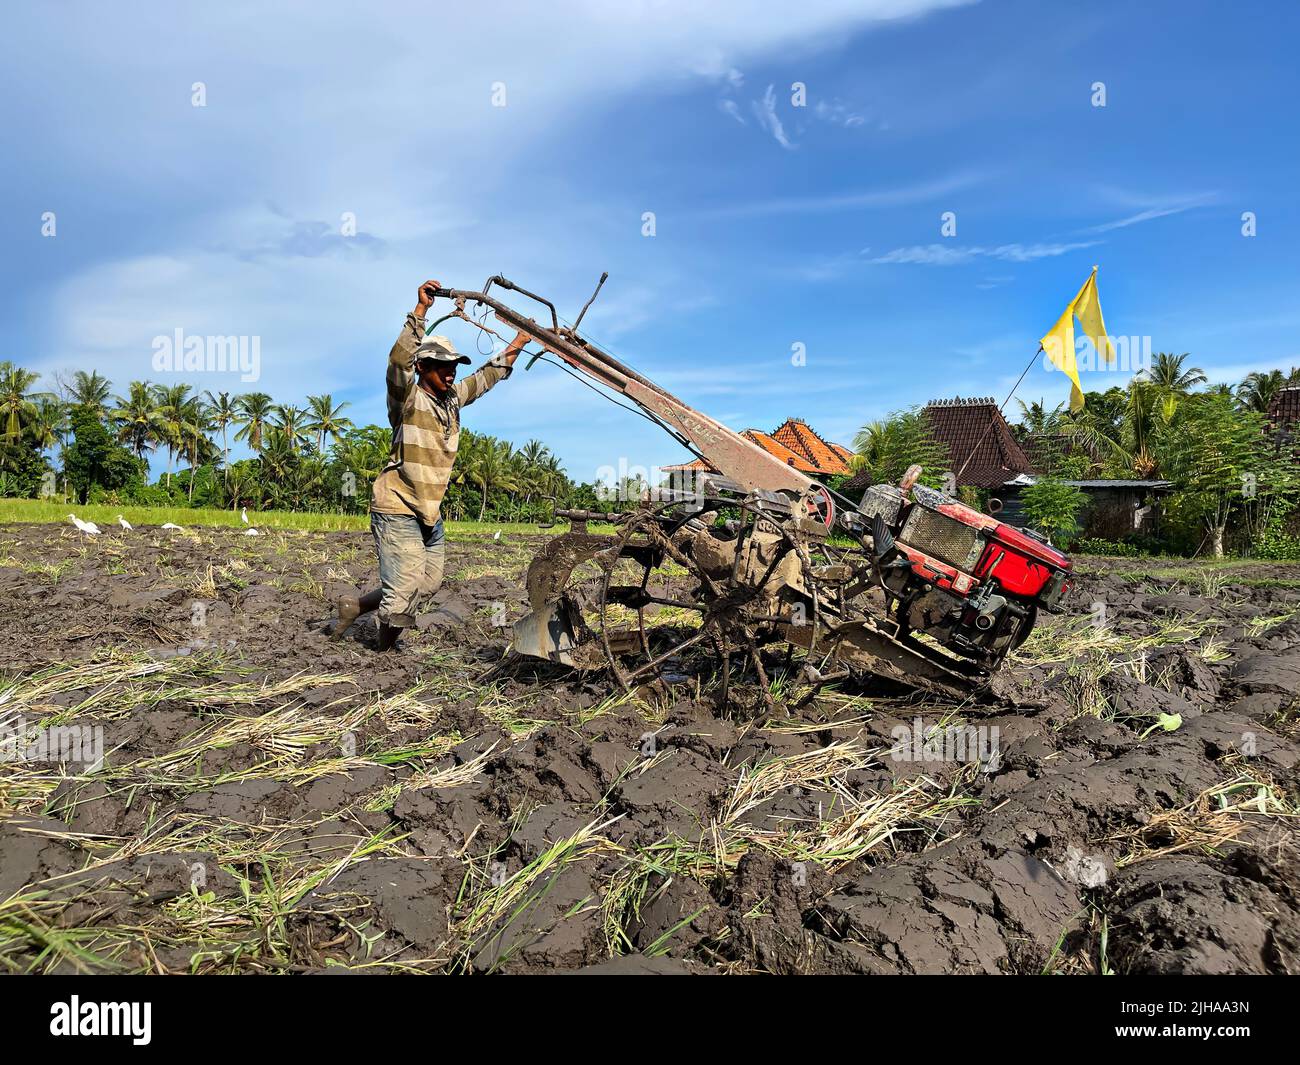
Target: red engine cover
x,y
1021,564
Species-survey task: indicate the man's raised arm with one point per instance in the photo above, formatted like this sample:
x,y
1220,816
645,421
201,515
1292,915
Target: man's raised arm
x,y
492,372
401,360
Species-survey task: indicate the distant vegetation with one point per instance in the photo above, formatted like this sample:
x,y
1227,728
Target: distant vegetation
x,y
84,444
1236,484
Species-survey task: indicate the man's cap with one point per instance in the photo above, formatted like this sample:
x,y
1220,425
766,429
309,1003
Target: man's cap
x,y
440,349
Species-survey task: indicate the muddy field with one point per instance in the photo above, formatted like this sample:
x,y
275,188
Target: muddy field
x,y
268,800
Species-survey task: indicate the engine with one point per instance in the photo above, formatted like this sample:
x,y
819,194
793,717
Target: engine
x,y
963,578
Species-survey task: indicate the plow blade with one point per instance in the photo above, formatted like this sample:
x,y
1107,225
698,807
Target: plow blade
x,y
549,633
863,646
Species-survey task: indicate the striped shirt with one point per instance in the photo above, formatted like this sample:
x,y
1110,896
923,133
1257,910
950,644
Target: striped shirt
x,y
426,430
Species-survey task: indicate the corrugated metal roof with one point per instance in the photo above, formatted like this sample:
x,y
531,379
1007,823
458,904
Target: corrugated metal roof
x,y
1027,479
1103,483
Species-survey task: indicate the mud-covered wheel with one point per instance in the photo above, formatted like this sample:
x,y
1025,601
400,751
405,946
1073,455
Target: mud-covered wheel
x,y
715,613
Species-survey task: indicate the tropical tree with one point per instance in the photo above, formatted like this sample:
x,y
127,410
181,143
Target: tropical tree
x,y
1258,389
17,401
489,468
174,410
49,425
223,413
885,449
277,460
1215,454
1053,506
194,443
138,421
1119,424
254,411
1167,374
292,422
325,419
91,391
1038,420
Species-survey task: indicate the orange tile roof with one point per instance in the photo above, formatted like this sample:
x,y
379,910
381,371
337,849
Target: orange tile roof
x,y
822,457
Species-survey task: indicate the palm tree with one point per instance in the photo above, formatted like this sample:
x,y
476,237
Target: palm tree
x,y
276,462
326,418
195,445
223,413
90,390
1038,420
173,414
17,403
1168,375
139,424
489,468
254,410
242,486
292,421
49,424
531,471
1258,389
1122,425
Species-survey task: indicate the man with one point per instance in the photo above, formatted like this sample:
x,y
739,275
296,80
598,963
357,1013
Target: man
x,y
424,401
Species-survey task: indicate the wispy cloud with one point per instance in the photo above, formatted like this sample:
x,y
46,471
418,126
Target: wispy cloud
x,y
900,196
730,107
838,113
768,119
1154,208
956,255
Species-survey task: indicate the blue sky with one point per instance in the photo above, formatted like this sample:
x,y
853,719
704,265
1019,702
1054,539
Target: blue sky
x,y
776,225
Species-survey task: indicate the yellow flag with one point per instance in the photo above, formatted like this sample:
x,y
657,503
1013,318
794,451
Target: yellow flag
x,y
1059,341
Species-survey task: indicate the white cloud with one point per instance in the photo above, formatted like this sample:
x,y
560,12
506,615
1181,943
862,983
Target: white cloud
x,y
1152,208
838,113
730,107
868,199
768,119
956,254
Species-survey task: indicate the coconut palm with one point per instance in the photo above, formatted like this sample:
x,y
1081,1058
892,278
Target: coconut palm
x,y
139,424
325,418
254,410
292,421
1168,375
1038,420
17,401
49,424
1258,389
489,468
223,413
195,446
173,418
90,390
277,461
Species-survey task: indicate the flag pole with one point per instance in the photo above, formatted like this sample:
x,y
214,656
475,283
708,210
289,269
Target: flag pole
x,y
989,427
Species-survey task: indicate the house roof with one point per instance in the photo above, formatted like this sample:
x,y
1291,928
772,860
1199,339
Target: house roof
x,y
1284,409
981,450
796,444
800,437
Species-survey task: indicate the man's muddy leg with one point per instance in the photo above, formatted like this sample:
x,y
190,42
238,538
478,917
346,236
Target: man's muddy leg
x,y
399,539
352,607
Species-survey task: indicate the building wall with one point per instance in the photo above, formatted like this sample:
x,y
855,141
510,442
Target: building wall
x,y
1108,514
